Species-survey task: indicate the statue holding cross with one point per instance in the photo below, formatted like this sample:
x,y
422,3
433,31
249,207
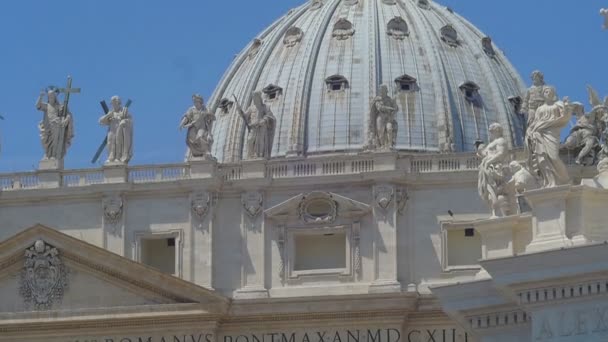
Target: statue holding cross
x,y
56,127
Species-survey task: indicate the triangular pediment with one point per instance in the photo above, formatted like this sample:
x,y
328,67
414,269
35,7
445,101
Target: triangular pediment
x,y
317,207
42,269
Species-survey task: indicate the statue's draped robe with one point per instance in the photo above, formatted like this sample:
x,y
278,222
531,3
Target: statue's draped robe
x,y
54,136
261,134
198,138
120,135
382,112
543,143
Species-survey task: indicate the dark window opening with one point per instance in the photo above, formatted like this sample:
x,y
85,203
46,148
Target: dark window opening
x,y
469,232
171,242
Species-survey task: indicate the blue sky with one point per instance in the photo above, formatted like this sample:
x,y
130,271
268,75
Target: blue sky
x,y
160,52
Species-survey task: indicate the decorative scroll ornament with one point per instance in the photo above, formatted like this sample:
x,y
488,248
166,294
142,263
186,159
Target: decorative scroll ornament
x,y
384,196
318,207
253,203
112,209
44,277
200,204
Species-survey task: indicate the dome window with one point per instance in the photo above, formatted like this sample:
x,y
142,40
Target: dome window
x,y
397,28
293,36
486,44
272,92
389,2
350,2
225,105
255,48
343,29
424,4
449,35
406,83
336,83
470,90
316,4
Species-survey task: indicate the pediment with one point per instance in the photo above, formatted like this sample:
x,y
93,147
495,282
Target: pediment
x,y
42,269
318,207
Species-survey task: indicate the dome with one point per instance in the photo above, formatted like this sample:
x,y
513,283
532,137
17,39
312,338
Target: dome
x,y
321,65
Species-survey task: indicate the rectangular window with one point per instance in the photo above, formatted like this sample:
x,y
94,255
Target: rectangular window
x,y
461,248
159,253
320,252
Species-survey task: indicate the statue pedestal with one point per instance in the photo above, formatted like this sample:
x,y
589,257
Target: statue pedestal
x,y
548,218
115,173
50,164
202,167
254,168
49,173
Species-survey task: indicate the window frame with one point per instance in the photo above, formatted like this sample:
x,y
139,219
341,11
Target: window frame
x,y
177,234
450,227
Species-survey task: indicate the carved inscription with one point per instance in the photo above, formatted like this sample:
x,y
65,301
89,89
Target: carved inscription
x,y
573,324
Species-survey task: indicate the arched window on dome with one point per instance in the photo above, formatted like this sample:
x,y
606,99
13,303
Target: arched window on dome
x,y
293,36
486,44
225,105
397,28
389,2
255,48
343,29
350,2
470,90
406,84
315,4
272,92
424,4
449,35
336,83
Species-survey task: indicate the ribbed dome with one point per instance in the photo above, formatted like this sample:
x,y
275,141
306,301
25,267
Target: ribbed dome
x,y
321,65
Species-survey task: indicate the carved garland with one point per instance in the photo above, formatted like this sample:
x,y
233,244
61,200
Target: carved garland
x,y
44,277
253,203
200,204
112,209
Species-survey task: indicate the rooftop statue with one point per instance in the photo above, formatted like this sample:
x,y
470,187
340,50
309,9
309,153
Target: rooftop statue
x,y
534,97
56,127
261,125
583,136
119,139
382,123
600,113
604,12
198,121
543,140
495,174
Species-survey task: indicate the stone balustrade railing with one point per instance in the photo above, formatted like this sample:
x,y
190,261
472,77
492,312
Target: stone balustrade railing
x,y
273,169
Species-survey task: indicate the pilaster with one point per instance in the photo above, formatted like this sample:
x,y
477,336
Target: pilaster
x,y
385,211
253,249
202,213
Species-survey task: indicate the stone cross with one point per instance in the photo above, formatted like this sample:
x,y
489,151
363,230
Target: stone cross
x,y
67,91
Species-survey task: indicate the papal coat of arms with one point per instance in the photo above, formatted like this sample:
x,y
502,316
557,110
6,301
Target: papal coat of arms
x,y
44,277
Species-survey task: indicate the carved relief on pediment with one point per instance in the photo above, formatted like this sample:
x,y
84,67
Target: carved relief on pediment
x,y
44,277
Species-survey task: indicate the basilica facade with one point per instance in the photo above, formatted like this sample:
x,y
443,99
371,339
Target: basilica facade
x,y
365,171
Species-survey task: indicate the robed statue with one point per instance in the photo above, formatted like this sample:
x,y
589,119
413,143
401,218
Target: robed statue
x,y
382,123
56,127
198,121
534,96
543,140
120,132
261,125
